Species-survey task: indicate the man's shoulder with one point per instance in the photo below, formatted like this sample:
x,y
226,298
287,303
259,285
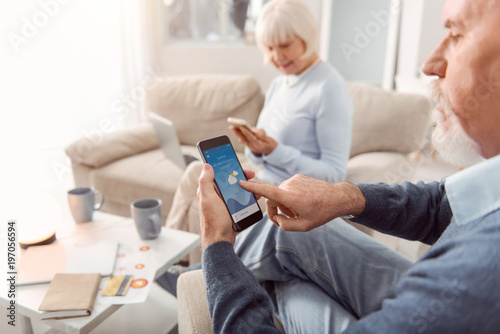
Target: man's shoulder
x,y
476,243
468,260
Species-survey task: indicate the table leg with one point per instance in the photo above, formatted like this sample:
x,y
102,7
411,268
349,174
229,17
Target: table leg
x,y
26,327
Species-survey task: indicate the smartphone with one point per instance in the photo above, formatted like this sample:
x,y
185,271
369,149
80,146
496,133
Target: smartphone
x,y
238,122
241,204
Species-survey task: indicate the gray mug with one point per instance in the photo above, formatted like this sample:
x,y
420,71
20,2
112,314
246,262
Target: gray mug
x,y
147,217
82,203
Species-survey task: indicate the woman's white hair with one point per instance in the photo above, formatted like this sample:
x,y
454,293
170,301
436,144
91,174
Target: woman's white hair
x,y
282,20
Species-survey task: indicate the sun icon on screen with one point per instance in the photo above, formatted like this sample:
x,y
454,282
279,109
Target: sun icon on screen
x,y
232,178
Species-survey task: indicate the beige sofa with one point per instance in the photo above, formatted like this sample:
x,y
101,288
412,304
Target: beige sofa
x,y
128,164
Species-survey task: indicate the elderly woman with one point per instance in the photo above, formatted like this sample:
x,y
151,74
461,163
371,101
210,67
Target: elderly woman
x,y
305,125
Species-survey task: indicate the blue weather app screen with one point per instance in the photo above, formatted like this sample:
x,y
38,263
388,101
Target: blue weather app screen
x,y
228,172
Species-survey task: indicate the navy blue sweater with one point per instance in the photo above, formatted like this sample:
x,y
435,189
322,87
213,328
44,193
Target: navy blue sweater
x,y
453,288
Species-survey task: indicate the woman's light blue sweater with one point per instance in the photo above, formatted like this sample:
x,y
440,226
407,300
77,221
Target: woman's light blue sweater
x,y
312,123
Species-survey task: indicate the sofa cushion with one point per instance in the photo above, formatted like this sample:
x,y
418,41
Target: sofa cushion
x,y
199,105
373,167
387,121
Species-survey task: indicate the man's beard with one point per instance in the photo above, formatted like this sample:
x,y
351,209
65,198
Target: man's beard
x,y
453,145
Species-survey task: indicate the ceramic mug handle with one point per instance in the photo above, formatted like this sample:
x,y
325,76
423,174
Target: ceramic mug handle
x,y
98,205
155,218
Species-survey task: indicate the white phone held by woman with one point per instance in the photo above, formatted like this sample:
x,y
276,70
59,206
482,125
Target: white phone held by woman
x,y
238,122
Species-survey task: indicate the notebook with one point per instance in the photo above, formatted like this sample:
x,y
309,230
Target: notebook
x,y
169,142
70,295
39,264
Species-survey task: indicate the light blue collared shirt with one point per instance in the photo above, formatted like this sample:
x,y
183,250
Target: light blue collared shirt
x,y
474,192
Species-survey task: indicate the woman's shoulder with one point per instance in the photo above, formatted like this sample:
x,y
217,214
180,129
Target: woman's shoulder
x,y
328,74
327,80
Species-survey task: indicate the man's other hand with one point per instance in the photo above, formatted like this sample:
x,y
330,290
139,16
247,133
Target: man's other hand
x,y
305,203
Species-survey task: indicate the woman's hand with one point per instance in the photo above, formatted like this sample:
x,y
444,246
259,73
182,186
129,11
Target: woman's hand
x,y
256,140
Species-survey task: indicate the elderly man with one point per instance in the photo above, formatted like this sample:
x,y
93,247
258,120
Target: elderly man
x,y
328,277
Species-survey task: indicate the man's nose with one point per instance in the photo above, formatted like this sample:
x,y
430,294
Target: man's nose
x,y
436,64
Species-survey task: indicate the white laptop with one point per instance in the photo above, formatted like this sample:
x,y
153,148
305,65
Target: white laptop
x,y
169,142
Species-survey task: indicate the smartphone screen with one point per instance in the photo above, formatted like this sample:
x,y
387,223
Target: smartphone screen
x,y
241,204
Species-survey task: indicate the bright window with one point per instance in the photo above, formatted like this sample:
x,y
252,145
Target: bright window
x,y
211,21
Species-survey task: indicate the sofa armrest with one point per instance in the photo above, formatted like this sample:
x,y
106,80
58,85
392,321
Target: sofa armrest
x,y
113,146
192,304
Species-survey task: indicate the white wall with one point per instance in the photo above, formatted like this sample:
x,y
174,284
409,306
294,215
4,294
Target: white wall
x,y
60,71
421,31
182,59
209,60
65,79
432,28
358,38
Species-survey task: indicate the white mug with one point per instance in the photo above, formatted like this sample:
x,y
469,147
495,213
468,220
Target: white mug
x,y
82,203
146,213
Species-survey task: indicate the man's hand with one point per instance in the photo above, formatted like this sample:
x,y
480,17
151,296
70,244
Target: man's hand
x,y
256,140
215,222
306,203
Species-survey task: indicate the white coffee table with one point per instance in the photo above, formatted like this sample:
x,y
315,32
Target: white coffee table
x,y
169,247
